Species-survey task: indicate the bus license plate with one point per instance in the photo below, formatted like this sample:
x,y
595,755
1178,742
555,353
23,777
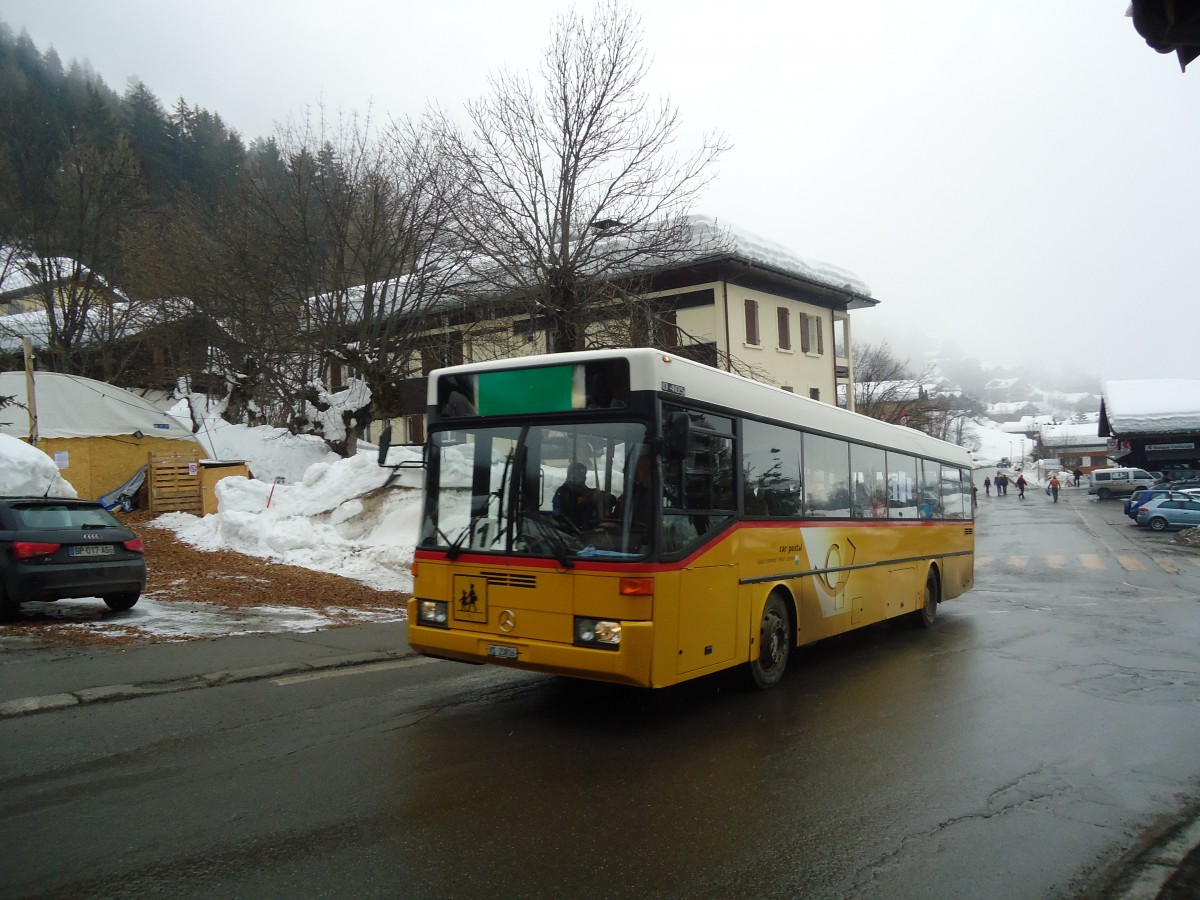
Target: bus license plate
x,y
501,652
92,550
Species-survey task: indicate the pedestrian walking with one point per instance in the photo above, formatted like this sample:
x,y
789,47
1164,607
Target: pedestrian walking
x,y
1021,482
1077,474
987,487
1054,488
1001,484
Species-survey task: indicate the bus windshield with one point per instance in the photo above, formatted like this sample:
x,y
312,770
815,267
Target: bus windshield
x,y
562,491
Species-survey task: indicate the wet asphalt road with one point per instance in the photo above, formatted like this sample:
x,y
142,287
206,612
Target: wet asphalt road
x,y
1016,750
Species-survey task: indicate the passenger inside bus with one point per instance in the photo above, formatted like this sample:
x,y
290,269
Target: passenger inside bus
x,y
575,501
641,505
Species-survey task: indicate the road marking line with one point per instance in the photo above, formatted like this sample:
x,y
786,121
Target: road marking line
x,y
982,562
1019,562
1056,562
356,670
1168,564
1092,561
1131,563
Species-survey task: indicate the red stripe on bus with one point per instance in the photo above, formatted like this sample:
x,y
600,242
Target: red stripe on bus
x,y
634,568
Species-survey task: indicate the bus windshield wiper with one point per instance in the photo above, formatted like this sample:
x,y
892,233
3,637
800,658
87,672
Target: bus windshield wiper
x,y
455,547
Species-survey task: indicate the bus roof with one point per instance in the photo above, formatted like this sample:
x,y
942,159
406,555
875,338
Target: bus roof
x,y
682,379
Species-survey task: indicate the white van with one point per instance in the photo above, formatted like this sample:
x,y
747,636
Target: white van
x,y
1105,483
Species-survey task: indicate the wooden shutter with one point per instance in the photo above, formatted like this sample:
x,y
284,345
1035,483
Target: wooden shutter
x,y
785,332
820,336
804,341
751,321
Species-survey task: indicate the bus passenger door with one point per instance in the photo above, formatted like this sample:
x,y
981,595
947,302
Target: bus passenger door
x,y
707,616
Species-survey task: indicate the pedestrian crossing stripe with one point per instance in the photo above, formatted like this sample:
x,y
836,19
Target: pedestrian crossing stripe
x,y
1092,561
1130,563
1167,564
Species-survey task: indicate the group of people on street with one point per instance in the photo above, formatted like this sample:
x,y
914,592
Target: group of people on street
x,y
1001,485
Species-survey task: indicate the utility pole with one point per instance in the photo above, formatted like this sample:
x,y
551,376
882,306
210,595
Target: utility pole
x,y
30,393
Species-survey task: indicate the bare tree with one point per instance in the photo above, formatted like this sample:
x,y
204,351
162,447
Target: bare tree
x,y
74,255
884,386
886,389
572,182
335,254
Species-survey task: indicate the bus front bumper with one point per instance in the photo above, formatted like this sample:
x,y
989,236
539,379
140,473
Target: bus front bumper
x,y
631,664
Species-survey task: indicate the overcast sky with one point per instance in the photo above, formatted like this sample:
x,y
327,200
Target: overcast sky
x,y
1019,177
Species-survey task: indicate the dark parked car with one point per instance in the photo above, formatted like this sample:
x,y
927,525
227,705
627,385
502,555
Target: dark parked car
x,y
52,548
1140,498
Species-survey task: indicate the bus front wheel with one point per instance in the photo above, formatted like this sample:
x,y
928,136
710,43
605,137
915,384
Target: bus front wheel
x,y
925,616
774,644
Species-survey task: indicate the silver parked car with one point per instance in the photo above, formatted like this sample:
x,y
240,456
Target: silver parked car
x,y
1171,511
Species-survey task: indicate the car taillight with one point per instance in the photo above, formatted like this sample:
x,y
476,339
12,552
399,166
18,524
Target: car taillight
x,y
30,549
134,545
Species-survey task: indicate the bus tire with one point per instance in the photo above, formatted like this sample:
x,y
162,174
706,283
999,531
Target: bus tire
x,y
927,614
775,639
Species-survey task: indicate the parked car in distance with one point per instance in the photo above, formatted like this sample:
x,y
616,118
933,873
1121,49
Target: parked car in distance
x,y
1139,497
1175,511
53,548
1183,484
1003,463
1117,482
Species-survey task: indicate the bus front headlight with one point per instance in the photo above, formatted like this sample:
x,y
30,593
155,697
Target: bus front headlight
x,y
603,633
433,612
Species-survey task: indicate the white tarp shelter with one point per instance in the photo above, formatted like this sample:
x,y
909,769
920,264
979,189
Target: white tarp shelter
x,y
98,434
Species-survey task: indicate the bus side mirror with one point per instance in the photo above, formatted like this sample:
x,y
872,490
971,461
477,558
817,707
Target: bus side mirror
x,y
679,426
385,444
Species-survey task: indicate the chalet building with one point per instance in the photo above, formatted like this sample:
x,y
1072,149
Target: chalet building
x,y
1006,390
751,306
1152,424
1074,446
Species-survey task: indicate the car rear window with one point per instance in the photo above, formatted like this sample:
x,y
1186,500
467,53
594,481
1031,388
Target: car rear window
x,y
48,517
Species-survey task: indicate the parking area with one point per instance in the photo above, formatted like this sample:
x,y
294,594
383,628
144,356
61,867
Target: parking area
x,y
1112,512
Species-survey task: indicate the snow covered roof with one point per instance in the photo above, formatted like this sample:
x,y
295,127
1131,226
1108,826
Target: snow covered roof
x,y
1009,408
72,407
1071,435
731,240
1150,406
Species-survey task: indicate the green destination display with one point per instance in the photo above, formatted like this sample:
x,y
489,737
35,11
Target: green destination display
x,y
515,392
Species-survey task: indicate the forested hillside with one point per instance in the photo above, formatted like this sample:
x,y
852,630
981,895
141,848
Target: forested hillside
x,y
151,243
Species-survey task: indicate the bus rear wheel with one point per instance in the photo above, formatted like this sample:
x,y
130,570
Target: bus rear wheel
x,y
774,644
927,614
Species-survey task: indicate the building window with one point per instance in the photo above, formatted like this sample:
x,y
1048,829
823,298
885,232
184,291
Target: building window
x,y
812,337
785,328
752,321
415,426
839,338
814,393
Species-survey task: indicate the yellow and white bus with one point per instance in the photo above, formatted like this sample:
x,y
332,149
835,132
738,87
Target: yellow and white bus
x,y
635,517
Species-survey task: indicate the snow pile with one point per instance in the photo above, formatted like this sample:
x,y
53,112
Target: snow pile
x,y
28,472
271,453
340,517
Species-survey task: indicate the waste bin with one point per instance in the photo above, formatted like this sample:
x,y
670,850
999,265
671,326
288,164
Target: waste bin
x,y
212,471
